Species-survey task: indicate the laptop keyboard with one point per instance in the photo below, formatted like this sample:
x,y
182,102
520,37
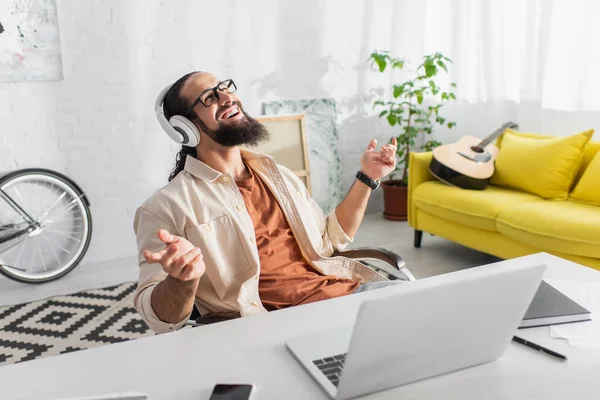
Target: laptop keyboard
x,y
332,367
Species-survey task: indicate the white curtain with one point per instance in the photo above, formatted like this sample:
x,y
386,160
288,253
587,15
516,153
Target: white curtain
x,y
542,51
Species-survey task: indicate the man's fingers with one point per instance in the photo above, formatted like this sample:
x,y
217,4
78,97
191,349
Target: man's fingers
x,y
193,269
187,258
372,144
166,237
394,141
169,255
154,257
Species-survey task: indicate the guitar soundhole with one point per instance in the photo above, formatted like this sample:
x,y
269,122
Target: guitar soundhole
x,y
477,149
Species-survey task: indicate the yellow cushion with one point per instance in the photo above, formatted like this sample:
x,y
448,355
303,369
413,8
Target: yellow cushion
x,y
474,208
545,166
590,152
588,187
559,226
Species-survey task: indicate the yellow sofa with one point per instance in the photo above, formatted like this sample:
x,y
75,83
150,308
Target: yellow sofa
x,y
503,222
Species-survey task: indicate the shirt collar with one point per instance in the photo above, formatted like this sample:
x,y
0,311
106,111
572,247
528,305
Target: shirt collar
x,y
200,170
206,173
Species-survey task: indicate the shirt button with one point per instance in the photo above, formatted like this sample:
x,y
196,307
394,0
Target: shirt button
x,y
299,193
238,207
257,277
255,304
252,240
225,179
207,228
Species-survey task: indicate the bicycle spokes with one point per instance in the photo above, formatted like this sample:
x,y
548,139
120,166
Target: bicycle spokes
x,y
55,237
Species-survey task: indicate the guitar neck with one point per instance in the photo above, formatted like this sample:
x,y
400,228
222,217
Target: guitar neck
x,y
494,135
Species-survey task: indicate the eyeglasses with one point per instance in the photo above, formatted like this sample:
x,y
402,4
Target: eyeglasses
x,y
211,96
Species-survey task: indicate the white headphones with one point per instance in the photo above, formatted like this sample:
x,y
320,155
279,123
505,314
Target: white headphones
x,y
178,127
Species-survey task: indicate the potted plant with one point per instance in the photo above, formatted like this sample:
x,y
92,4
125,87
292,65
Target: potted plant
x,y
414,110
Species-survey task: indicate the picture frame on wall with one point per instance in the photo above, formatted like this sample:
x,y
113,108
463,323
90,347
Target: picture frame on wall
x,y
288,144
29,41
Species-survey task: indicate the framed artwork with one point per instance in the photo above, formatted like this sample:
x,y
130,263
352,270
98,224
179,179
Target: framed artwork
x,y
287,144
29,41
322,144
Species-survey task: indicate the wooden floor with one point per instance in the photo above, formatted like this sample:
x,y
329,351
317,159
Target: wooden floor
x,y
436,256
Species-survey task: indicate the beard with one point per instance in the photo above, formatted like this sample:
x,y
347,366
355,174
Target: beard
x,y
247,131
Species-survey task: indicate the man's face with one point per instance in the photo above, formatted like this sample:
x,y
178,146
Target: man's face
x,y
215,115
222,119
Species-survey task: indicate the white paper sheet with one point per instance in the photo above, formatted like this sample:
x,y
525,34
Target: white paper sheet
x,y
583,344
580,334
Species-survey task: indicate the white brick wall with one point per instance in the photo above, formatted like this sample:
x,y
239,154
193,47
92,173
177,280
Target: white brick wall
x,y
97,125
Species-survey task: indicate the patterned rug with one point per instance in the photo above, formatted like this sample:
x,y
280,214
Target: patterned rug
x,y
69,323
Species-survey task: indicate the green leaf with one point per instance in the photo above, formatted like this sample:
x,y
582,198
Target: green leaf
x,y
392,119
398,91
434,89
379,60
453,84
381,114
452,96
444,96
419,97
398,64
430,70
442,65
451,125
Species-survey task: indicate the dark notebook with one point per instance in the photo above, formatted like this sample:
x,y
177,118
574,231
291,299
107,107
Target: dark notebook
x,y
551,307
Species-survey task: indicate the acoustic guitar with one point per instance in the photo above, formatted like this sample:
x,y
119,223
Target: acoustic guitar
x,y
468,163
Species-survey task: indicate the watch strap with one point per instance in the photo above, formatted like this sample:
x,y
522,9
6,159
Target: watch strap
x,y
368,181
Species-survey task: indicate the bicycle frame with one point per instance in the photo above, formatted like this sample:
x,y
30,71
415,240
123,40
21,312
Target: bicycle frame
x,y
30,221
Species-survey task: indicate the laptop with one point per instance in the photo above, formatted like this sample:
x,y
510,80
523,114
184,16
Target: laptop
x,y
421,329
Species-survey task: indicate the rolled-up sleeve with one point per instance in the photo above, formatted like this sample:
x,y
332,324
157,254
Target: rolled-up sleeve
x,y
146,225
338,237
333,233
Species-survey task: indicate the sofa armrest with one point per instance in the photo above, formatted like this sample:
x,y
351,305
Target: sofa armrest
x,y
418,172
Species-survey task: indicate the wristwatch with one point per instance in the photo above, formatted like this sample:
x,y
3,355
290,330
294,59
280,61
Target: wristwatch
x,y
373,184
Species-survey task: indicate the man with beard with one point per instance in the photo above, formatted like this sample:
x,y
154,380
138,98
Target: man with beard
x,y
233,233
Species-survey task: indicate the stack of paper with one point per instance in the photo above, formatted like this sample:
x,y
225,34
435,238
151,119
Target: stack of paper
x,y
582,335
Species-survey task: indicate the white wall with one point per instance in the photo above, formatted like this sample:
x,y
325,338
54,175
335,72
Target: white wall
x,y
98,126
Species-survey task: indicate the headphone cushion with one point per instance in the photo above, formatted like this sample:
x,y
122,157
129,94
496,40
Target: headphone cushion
x,y
187,128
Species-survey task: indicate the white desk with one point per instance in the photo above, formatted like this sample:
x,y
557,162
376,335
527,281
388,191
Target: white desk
x,y
186,364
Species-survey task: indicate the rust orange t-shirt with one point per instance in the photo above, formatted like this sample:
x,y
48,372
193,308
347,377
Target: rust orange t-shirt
x,y
286,279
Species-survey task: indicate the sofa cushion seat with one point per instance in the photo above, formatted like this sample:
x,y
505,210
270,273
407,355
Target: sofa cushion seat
x,y
563,226
474,208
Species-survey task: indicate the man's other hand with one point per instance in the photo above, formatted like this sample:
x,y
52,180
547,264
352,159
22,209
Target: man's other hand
x,y
378,164
179,258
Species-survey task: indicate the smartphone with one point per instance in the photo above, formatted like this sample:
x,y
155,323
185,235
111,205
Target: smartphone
x,y
231,392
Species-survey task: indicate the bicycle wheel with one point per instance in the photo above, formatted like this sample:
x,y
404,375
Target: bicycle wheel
x,y
62,231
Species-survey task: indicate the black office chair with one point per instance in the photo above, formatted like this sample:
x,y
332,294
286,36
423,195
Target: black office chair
x,y
398,271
